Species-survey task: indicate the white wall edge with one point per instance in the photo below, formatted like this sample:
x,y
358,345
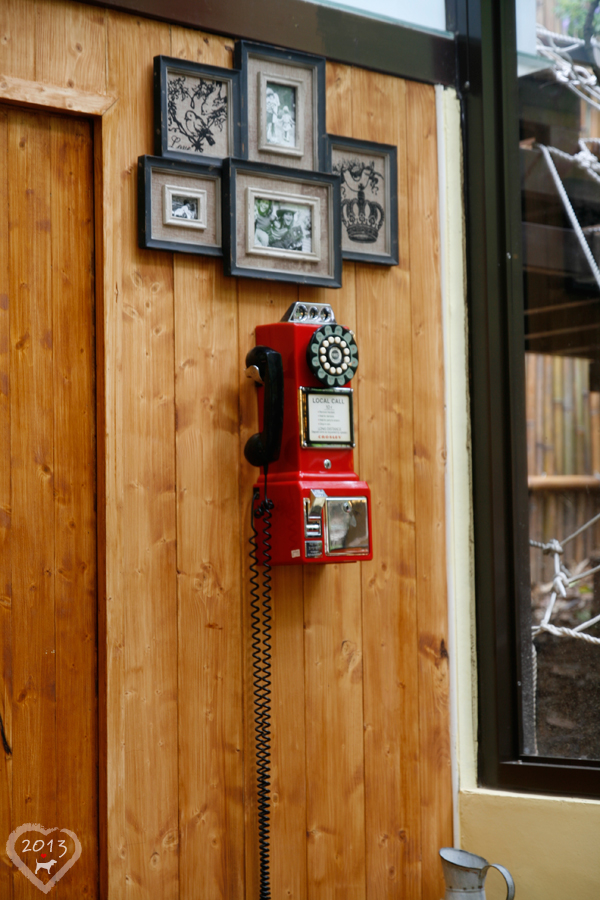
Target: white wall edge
x,y
459,518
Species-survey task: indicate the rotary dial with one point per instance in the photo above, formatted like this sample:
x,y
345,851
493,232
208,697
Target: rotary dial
x,y
332,355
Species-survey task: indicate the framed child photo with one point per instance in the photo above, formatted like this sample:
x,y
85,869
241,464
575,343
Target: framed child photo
x,y
369,198
282,224
196,110
179,206
283,106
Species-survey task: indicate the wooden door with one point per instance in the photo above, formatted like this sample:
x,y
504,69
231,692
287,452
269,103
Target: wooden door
x,y
48,571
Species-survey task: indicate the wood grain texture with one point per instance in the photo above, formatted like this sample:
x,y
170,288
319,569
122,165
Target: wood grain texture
x,y
289,770
6,650
211,811
17,38
429,459
333,654
47,447
32,475
199,46
111,623
264,302
144,282
72,215
389,589
25,92
71,45
211,774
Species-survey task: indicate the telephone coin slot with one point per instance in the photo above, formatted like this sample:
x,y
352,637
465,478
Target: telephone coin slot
x,y
313,512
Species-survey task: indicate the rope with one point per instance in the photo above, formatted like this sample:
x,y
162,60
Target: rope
x,y
570,212
564,632
577,78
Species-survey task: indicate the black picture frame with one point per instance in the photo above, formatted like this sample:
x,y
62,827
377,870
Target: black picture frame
x,y
205,171
245,49
276,179
368,227
165,64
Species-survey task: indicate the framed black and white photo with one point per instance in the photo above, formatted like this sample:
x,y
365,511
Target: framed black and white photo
x,y
369,198
281,224
283,106
184,207
196,110
179,206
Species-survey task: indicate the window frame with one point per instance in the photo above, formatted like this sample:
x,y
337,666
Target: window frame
x,y
487,55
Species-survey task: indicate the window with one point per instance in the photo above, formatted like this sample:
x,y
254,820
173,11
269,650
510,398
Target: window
x,y
533,202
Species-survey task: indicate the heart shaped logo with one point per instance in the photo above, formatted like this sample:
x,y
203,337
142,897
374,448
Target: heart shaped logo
x,y
24,868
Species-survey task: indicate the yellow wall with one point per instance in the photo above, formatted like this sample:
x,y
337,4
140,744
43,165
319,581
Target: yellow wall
x,y
549,845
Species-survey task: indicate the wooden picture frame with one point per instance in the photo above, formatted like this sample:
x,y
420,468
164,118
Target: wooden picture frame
x,y
282,106
196,110
369,198
281,224
179,206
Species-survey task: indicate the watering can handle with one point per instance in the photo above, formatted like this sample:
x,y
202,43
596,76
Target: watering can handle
x,y
507,877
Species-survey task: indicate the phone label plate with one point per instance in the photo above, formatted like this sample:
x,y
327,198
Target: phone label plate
x,y
326,417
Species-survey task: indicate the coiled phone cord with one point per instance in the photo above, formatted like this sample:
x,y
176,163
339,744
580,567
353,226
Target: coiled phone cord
x,y
261,655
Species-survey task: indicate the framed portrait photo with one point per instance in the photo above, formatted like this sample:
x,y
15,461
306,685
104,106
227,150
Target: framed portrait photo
x,y
283,106
369,198
179,206
282,224
196,110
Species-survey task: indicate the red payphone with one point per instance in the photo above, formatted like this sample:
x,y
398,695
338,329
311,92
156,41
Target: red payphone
x,y
311,504
321,510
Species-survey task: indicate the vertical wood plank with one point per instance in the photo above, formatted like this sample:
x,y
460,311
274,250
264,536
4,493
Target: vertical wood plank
x,y
199,46
6,651
111,603
17,38
211,774
144,282
211,813
32,474
72,209
389,589
334,735
429,455
333,653
71,45
289,771
261,303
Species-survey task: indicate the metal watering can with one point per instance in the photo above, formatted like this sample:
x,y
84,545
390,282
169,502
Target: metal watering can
x,y
464,874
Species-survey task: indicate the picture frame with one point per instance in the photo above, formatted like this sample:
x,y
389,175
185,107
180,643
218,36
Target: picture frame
x,y
179,206
196,110
282,106
282,224
369,198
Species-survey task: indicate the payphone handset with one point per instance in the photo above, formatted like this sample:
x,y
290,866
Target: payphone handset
x,y
303,366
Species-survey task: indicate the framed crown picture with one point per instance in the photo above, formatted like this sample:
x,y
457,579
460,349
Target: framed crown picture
x,y
281,224
283,106
369,198
179,206
196,110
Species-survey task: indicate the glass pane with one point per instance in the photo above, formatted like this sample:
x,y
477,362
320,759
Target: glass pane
x,y
427,14
560,171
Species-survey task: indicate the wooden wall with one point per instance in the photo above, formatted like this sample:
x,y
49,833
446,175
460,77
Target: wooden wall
x,y
361,760
48,553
